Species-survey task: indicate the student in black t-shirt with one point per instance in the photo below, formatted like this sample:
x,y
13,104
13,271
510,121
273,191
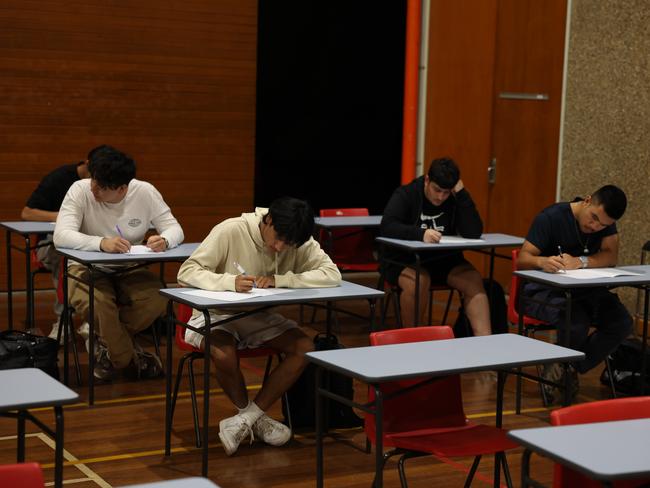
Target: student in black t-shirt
x,y
429,207
580,234
43,206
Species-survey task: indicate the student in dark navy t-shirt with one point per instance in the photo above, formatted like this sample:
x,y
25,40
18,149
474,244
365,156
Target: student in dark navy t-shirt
x,y
429,207
566,236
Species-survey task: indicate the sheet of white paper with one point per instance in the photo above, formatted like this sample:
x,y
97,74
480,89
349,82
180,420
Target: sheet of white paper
x,y
593,273
457,240
233,296
139,249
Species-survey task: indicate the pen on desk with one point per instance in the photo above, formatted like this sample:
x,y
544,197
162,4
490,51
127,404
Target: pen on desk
x,y
117,227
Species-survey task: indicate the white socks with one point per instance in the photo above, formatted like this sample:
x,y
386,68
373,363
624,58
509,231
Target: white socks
x,y
251,413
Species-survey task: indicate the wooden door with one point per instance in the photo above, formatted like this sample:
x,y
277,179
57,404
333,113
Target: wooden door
x,y
526,114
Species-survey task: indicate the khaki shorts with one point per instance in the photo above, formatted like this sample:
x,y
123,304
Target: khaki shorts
x,y
249,332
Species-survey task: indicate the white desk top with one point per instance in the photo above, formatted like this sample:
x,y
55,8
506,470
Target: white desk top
x,y
347,291
603,450
27,388
488,241
350,221
195,482
559,280
375,364
97,257
28,227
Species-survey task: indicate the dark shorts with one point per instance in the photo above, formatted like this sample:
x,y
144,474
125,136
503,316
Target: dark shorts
x,y
438,267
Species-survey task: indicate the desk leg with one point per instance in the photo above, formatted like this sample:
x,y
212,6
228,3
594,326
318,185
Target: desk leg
x,y
10,301
498,457
525,468
58,447
328,321
319,428
20,436
91,343
379,435
206,393
520,331
29,294
373,305
168,379
564,341
416,313
65,322
643,374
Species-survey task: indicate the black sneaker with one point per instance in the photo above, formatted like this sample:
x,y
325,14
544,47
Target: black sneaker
x,y
145,365
104,369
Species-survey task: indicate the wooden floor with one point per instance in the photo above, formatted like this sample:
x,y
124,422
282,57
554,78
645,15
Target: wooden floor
x,y
119,440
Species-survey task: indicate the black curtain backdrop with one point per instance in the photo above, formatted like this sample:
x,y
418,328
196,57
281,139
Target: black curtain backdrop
x,y
329,102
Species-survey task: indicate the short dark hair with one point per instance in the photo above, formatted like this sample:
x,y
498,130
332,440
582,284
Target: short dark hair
x,y
292,219
613,200
92,152
444,172
111,168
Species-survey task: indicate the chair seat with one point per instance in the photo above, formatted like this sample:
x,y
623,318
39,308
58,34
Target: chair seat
x,y
472,440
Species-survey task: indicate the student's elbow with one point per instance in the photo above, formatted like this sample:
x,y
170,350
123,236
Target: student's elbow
x,y
25,214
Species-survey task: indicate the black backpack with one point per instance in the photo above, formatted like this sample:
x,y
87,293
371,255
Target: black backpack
x,y
22,350
498,312
626,366
302,394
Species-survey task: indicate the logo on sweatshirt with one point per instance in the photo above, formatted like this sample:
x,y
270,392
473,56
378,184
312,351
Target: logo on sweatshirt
x,y
135,223
429,222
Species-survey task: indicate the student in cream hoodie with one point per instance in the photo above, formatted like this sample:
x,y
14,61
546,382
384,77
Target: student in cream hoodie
x,y
268,248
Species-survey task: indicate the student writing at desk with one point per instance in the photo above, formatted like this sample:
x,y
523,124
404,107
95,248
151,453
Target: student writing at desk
x,y
579,234
429,207
43,206
274,248
125,303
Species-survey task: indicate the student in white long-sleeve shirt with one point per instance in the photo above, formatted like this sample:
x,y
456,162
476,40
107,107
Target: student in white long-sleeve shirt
x,y
109,212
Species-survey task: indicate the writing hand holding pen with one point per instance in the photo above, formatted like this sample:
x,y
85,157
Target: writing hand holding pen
x,y
115,244
243,281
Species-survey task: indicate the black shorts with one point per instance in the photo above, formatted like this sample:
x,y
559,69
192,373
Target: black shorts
x,y
438,267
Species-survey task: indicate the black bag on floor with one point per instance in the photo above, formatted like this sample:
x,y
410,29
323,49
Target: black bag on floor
x,y
302,394
626,365
22,350
498,312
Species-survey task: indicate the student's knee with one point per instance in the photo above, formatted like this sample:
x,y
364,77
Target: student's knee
x,y
406,281
225,358
467,280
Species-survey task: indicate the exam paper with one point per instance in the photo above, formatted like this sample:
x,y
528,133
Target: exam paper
x,y
593,273
233,296
457,240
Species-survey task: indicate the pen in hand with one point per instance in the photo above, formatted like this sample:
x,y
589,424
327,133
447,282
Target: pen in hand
x,y
242,271
559,250
117,227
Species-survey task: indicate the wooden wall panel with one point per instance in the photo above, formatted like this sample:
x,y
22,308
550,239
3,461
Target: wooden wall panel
x,y
171,83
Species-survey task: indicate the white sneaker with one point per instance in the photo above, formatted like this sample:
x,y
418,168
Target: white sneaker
x,y
54,332
84,333
271,431
232,431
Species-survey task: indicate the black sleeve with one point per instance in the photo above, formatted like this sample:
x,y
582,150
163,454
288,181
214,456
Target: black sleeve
x,y
468,220
397,221
540,233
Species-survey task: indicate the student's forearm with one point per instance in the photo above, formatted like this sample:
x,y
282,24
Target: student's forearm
x,y
35,214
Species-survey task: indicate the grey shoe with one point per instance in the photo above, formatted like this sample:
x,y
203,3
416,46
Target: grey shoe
x,y
555,372
232,431
104,369
145,365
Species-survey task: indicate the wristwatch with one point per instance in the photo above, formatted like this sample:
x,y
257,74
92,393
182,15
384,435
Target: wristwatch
x,y
167,245
584,260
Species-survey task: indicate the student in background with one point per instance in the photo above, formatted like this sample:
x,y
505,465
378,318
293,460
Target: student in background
x,y
580,234
429,207
43,206
109,212
268,248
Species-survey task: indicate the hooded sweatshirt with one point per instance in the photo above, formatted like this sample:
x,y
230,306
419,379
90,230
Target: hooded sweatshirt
x,y
239,240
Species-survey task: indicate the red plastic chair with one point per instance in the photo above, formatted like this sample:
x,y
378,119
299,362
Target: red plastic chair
x,y
25,475
430,420
192,353
532,325
600,411
351,247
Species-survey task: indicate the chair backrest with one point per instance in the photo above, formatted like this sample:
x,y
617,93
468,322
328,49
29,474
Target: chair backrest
x,y
352,246
25,475
183,313
599,411
513,315
436,405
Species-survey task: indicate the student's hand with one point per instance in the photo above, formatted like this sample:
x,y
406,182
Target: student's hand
x,y
265,281
115,245
244,283
431,236
553,264
458,187
156,243
571,262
